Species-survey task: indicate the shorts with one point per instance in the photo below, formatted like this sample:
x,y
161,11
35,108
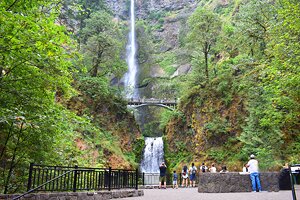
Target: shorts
x,y
185,176
162,179
192,177
174,182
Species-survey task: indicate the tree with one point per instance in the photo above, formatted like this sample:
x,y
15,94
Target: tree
x,y
282,76
102,45
205,26
252,24
35,63
272,128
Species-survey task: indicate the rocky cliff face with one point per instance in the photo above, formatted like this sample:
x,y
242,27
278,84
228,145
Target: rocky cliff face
x,y
166,19
145,7
160,29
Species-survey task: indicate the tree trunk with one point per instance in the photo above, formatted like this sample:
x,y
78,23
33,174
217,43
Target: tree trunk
x,y
94,71
205,51
6,141
11,167
206,65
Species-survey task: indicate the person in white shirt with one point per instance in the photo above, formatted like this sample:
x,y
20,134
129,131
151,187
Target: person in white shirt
x,y
252,166
213,169
193,171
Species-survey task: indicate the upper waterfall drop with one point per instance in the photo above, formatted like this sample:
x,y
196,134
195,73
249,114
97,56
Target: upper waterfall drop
x,y
131,90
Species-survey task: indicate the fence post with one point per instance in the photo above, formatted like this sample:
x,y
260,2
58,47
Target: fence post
x,y
30,176
136,179
75,178
292,184
109,178
180,179
119,178
143,178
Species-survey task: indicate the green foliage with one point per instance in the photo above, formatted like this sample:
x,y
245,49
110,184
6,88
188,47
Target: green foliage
x,y
35,68
157,15
217,127
253,21
138,148
178,156
102,45
166,116
167,63
205,26
254,70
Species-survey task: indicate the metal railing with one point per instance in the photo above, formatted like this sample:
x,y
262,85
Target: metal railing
x,y
293,171
80,178
153,179
34,189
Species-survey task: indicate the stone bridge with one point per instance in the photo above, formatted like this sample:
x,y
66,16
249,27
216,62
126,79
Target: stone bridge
x,y
140,102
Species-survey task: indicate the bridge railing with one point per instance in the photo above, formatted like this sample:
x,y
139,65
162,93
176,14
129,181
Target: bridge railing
x,y
79,178
152,100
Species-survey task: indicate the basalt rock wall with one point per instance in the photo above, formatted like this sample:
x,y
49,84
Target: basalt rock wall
x,y
145,7
99,195
235,182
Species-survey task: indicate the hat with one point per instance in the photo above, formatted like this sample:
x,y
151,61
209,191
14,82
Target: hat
x,y
252,156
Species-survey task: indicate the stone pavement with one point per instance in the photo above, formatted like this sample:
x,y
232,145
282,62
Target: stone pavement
x,y
192,194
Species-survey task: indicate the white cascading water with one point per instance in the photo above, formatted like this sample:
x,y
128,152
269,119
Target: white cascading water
x,y
153,152
130,76
153,155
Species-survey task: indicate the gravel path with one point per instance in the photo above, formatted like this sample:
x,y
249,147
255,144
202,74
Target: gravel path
x,y
192,194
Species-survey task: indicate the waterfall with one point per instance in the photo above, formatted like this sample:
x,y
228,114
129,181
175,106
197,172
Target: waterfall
x,y
153,152
131,75
153,155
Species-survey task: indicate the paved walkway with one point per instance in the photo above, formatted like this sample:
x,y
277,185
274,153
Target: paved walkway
x,y
192,194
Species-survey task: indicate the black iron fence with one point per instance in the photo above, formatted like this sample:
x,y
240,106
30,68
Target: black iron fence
x,y
153,179
76,178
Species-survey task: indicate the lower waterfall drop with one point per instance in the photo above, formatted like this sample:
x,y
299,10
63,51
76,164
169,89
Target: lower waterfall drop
x,y
153,155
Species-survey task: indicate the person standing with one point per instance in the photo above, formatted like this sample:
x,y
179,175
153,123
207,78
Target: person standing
x,y
254,173
213,169
162,175
224,169
175,177
193,171
185,175
203,168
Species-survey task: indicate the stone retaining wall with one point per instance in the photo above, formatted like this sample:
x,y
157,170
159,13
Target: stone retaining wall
x,y
235,182
99,195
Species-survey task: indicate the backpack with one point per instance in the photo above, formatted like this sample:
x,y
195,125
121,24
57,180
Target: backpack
x,y
203,168
194,170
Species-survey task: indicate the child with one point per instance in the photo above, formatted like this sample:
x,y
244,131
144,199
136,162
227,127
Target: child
x,y
175,177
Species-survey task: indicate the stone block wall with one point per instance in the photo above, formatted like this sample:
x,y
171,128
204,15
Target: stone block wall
x,y
97,195
235,182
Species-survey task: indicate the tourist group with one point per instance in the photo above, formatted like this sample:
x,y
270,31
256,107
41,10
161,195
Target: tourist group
x,y
188,175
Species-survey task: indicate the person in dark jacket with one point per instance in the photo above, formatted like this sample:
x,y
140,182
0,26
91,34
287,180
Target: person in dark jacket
x,y
162,175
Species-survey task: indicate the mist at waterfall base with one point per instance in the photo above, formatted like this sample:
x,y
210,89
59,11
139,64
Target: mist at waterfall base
x,y
153,155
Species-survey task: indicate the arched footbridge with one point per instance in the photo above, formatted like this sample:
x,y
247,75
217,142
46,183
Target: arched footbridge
x,y
140,102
